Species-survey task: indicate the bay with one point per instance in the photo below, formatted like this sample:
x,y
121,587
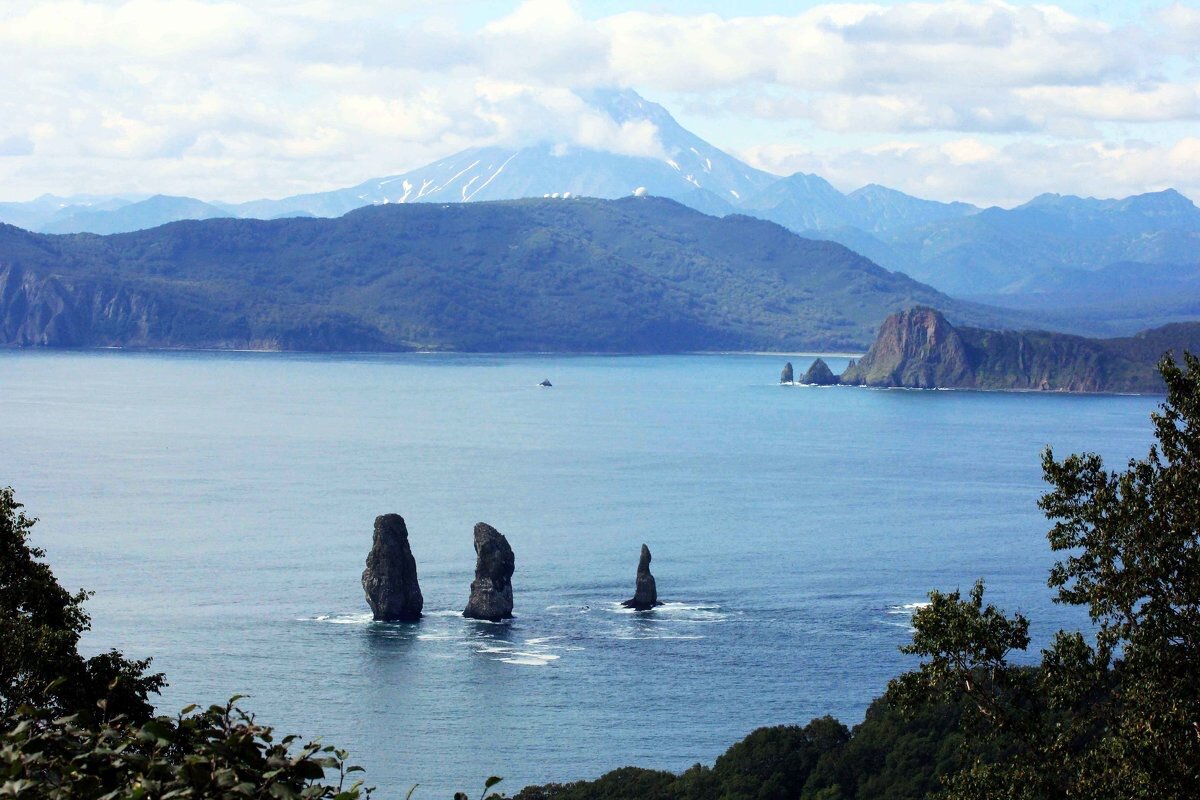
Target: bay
x,y
221,504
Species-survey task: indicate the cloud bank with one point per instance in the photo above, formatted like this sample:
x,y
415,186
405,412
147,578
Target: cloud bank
x,y
233,99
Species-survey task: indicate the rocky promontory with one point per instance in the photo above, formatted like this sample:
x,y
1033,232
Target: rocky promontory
x,y
390,579
917,348
921,349
645,594
787,376
491,591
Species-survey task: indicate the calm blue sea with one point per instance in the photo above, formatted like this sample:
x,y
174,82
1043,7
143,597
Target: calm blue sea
x,y
221,505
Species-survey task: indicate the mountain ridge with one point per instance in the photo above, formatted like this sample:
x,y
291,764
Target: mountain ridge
x,y
632,275
1015,257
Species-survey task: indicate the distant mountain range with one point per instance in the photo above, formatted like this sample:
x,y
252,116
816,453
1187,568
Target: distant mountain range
x,y
633,275
807,203
1041,255
148,213
1044,243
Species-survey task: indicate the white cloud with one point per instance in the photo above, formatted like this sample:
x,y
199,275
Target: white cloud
x,y
869,48
989,174
239,98
153,29
1180,28
1156,103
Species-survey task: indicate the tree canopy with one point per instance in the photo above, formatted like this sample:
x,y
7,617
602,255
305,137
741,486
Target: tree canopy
x,y
40,625
75,727
1113,712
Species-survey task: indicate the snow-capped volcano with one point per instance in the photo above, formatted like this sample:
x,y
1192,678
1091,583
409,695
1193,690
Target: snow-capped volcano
x,y
687,169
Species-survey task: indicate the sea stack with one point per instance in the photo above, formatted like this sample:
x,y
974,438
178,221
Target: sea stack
x,y
491,591
390,579
819,374
545,384
787,376
645,596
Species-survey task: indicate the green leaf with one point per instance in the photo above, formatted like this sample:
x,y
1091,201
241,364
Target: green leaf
x,y
281,791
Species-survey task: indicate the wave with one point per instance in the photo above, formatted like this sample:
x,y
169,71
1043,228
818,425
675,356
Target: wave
x,y
903,625
565,609
678,612
339,619
532,653
528,661
907,608
653,636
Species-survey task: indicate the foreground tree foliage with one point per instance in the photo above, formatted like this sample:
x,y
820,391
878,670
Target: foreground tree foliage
x,y
217,753
40,626
75,727
1117,717
889,755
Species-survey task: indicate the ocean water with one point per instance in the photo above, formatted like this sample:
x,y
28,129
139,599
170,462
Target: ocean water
x,y
221,507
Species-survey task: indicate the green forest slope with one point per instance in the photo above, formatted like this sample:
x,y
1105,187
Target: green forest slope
x,y
632,275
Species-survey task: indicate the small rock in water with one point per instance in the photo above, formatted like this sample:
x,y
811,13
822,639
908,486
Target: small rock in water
x,y
491,591
819,374
787,376
546,383
645,596
390,579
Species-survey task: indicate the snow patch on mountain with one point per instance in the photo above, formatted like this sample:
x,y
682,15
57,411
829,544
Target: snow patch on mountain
x,y
621,141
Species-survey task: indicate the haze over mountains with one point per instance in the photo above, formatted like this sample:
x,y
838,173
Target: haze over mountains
x,y
1133,262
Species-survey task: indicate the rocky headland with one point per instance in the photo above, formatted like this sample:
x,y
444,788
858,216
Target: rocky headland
x,y
921,349
390,579
491,591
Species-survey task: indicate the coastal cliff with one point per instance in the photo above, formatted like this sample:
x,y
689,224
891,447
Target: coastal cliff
x,y
53,310
920,349
48,311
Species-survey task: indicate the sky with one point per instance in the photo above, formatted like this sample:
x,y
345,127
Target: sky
x,y
983,101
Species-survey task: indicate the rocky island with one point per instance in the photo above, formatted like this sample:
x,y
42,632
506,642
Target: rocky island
x,y
491,591
390,579
819,374
921,349
645,594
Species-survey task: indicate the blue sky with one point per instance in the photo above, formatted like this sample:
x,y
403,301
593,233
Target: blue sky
x,y
979,100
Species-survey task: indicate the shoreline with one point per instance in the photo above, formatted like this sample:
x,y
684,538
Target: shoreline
x,y
497,353
551,354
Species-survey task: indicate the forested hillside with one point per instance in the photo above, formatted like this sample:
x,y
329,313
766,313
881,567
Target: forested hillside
x,y
633,275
